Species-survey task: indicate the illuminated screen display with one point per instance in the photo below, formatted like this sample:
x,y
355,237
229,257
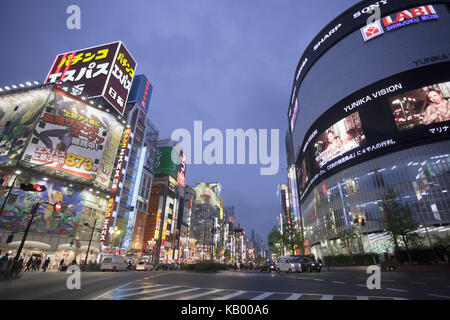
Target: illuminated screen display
x,y
409,109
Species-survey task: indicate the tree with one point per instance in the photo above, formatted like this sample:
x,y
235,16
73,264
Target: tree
x,y
291,237
274,240
347,237
398,220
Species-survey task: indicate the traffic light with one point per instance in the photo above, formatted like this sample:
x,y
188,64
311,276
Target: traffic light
x,y
57,206
71,243
10,238
360,220
33,187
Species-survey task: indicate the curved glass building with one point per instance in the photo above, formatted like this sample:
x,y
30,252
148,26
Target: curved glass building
x,y
370,110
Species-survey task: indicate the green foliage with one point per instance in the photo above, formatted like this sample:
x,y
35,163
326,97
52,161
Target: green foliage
x,y
442,246
291,238
354,260
274,240
347,237
398,220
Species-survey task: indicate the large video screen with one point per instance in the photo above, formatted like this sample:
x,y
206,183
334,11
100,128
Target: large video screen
x,y
82,139
19,112
408,109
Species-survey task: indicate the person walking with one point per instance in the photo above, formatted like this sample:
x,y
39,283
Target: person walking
x,y
38,263
30,263
45,265
61,264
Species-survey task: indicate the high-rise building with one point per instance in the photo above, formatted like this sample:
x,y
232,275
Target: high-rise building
x,y
383,126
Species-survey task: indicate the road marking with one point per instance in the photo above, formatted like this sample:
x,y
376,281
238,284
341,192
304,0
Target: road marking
x,y
120,296
138,288
423,283
262,296
361,285
106,293
340,282
231,295
438,296
399,290
362,298
169,294
318,279
327,297
201,294
294,296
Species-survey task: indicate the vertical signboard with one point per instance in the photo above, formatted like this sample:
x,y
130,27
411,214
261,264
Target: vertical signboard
x,y
115,185
141,92
119,82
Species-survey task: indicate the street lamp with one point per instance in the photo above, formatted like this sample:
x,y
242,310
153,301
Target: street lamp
x,y
18,173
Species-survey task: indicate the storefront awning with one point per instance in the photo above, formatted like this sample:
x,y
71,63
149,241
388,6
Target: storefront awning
x,y
30,245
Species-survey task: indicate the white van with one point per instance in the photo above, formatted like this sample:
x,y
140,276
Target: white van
x,y
288,264
114,263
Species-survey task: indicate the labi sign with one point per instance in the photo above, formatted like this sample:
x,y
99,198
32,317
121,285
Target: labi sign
x,y
399,20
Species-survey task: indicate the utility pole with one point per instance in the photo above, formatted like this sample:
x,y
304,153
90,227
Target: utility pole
x,y
90,240
25,234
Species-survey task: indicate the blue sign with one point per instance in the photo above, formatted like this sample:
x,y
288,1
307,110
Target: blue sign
x,y
141,91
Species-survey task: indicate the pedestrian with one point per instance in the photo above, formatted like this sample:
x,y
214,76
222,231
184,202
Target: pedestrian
x,y
38,263
61,264
74,262
46,263
30,263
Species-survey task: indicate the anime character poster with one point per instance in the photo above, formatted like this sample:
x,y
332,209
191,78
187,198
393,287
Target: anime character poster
x,y
74,134
15,215
18,117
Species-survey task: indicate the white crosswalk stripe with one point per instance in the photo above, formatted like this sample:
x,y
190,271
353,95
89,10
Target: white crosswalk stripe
x,y
121,296
262,296
161,291
201,294
231,295
169,294
438,296
294,296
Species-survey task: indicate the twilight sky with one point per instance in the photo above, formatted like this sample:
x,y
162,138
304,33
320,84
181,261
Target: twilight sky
x,y
228,63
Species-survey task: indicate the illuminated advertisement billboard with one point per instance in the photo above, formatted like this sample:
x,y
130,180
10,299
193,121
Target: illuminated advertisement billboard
x,y
163,162
75,135
102,71
182,170
395,15
409,109
115,184
18,117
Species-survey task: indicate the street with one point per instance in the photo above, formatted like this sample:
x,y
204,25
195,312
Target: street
x,y
228,285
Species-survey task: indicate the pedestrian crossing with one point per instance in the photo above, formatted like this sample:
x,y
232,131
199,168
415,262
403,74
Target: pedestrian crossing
x,y
156,291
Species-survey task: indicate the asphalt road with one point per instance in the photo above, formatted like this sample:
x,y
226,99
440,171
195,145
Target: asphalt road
x,y
228,285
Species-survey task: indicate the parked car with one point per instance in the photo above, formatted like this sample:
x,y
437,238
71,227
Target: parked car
x,y
114,263
288,264
144,265
269,266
